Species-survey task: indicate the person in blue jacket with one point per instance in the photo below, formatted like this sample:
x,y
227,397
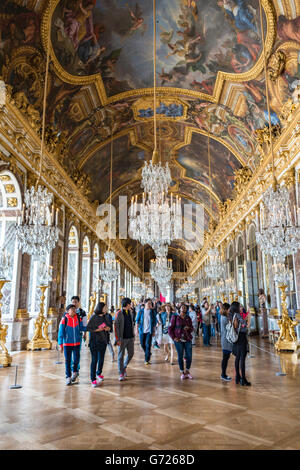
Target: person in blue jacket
x,y
146,321
69,340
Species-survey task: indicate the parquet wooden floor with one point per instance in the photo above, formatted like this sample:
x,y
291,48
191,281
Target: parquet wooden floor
x,y
153,409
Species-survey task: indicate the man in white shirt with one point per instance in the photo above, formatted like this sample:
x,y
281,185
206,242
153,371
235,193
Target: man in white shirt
x,y
146,321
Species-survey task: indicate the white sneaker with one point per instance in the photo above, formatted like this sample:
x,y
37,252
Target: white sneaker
x,y
99,378
94,384
68,381
74,377
121,378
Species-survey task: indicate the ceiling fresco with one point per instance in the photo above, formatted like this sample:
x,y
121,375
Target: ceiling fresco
x,y
209,73
194,38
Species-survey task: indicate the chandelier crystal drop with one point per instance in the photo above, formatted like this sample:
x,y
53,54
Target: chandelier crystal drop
x,y
278,237
161,270
215,267
109,267
36,234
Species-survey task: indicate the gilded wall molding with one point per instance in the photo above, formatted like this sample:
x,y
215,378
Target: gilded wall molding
x,y
23,143
286,153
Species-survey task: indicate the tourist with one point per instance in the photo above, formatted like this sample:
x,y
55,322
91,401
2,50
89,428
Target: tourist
x,y
111,317
262,304
218,307
199,320
166,340
69,340
180,330
146,321
160,320
241,322
75,300
99,326
225,344
206,322
213,320
193,316
124,332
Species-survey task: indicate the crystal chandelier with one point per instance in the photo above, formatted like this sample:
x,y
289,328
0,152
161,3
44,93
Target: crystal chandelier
x,y
215,267
35,235
106,288
5,264
278,236
109,267
155,178
188,286
161,270
156,221
139,289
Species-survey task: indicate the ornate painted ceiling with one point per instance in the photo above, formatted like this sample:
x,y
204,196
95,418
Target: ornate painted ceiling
x,y
210,81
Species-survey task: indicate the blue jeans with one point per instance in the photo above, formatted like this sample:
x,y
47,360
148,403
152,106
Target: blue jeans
x,y
72,360
206,334
184,348
146,340
98,354
69,350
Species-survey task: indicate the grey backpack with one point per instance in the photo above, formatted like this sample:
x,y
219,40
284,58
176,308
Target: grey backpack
x,y
231,333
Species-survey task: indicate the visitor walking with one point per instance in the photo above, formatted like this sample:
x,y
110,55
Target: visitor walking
x,y
146,321
225,344
124,332
206,322
99,326
166,340
111,316
193,316
69,340
180,331
75,300
241,322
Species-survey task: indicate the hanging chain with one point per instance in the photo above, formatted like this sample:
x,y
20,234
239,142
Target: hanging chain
x,y
266,86
154,72
44,102
110,180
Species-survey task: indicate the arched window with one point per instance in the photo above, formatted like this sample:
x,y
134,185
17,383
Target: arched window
x,y
241,271
85,274
10,205
72,270
96,260
252,244
231,262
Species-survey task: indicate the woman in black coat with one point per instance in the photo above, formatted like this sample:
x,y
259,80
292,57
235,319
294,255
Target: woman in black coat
x,y
99,326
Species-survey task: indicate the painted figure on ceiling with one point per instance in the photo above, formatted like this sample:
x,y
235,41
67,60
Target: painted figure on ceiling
x,y
79,23
288,30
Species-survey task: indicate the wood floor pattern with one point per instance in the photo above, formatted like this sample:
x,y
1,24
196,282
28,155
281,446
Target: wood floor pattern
x,y
153,409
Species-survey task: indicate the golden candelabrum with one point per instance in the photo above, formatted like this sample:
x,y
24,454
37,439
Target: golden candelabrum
x,y
5,358
40,339
287,340
231,297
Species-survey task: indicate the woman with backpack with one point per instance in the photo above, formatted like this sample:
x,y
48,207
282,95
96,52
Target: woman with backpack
x,y
225,344
180,331
241,322
99,326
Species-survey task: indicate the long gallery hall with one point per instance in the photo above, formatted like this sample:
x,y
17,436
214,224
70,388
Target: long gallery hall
x,y
149,226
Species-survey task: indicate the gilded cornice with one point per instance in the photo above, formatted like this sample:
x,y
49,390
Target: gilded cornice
x,y
23,143
286,153
169,91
